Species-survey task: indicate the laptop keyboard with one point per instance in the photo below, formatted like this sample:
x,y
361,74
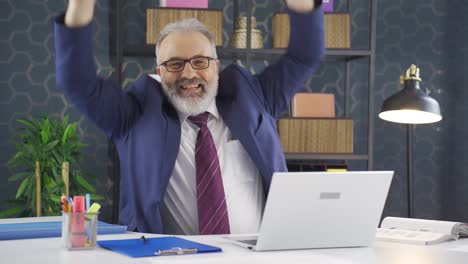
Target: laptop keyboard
x,y
250,242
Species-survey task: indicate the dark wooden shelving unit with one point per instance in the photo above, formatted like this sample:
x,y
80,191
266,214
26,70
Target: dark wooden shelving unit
x,y
346,56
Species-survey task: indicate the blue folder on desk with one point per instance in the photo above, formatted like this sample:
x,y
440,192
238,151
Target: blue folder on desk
x,y
49,229
156,246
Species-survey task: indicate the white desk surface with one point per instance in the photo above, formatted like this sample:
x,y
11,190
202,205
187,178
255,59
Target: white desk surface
x,y
51,251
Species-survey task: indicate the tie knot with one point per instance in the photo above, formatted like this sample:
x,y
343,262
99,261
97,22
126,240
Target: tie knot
x,y
200,120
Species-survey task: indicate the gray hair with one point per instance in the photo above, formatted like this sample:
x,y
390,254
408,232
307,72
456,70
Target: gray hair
x,y
185,25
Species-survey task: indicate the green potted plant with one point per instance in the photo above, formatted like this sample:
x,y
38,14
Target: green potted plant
x,y
45,148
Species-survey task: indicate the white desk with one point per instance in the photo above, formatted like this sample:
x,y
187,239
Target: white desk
x,y
51,251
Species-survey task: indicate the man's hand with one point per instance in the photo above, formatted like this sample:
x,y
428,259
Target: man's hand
x,y
79,13
301,6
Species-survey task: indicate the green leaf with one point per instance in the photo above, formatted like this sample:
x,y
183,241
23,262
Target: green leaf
x,y
26,212
46,126
29,150
71,159
19,176
56,198
21,188
65,134
45,132
57,175
49,183
18,155
11,211
89,176
50,145
72,131
65,121
97,197
16,202
27,123
57,157
30,191
15,158
44,137
84,183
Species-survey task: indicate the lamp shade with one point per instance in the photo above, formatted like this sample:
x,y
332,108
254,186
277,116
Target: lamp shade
x,y
411,105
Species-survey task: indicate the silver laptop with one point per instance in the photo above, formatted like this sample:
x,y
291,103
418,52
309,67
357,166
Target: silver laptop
x,y
320,210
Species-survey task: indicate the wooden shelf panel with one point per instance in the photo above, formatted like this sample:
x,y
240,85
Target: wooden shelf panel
x,y
229,53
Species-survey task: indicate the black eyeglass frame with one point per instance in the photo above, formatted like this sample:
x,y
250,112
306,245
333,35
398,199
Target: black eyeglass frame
x,y
189,61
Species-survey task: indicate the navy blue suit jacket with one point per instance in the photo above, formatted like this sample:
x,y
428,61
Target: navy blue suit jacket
x,y
146,129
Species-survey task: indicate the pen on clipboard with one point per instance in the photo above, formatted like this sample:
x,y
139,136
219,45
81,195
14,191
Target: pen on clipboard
x,y
176,251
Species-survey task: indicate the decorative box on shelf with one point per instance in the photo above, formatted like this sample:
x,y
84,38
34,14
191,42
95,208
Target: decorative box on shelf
x,y
327,5
239,35
313,105
316,135
157,18
186,3
337,30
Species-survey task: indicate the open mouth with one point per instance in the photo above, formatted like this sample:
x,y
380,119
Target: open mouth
x,y
191,89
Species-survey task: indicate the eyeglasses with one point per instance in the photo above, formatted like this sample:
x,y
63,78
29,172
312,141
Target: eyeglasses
x,y
197,63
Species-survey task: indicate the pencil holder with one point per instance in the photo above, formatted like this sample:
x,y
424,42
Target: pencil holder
x,y
79,230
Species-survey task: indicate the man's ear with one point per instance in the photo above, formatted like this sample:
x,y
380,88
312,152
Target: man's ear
x,y
217,65
158,70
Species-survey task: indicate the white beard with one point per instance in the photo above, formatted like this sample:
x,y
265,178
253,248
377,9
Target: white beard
x,y
192,104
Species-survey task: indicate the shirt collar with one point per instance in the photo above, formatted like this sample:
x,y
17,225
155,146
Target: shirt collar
x,y
212,109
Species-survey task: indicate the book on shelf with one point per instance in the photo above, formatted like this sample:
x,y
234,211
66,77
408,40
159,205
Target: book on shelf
x,y
420,231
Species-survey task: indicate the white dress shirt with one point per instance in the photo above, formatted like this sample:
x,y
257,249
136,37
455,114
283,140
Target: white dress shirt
x,y
241,180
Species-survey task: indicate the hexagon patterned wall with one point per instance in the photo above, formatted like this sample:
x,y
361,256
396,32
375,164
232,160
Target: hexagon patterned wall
x,y
27,86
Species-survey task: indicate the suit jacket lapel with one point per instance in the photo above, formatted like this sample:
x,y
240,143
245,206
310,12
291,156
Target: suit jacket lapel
x,y
232,115
171,145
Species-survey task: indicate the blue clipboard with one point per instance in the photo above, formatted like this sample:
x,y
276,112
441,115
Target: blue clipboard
x,y
158,246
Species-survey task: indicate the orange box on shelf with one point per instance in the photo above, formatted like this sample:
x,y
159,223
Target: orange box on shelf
x,y
313,105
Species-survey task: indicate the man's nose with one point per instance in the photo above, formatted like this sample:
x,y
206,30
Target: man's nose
x,y
188,72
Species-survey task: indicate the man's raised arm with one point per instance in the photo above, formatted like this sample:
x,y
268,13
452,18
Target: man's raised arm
x,y
101,100
305,52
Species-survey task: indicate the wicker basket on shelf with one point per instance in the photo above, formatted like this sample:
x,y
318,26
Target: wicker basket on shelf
x,y
157,18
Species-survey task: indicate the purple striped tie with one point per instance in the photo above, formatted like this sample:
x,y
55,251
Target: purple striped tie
x,y
211,201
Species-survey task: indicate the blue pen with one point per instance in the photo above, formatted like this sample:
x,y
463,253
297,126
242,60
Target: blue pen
x,y
88,201
70,200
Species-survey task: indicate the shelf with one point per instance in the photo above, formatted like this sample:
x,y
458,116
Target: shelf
x,y
324,156
229,53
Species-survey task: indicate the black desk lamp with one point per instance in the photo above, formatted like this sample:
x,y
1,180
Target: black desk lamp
x,y
410,106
